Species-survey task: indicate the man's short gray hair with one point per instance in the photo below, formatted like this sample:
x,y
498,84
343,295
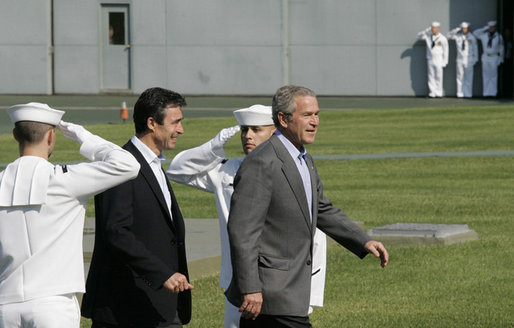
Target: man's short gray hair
x,y
284,100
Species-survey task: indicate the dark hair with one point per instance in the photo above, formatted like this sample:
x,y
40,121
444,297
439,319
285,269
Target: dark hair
x,y
153,103
284,101
28,132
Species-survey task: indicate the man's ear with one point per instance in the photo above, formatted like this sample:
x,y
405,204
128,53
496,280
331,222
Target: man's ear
x,y
50,136
15,135
151,123
282,119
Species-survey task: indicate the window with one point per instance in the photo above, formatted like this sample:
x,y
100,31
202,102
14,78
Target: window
x,y
116,28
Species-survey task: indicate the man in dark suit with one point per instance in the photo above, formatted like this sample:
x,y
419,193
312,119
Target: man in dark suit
x,y
277,203
138,275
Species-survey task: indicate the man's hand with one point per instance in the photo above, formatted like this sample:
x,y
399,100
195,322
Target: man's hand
x,y
177,283
251,306
376,248
224,135
74,131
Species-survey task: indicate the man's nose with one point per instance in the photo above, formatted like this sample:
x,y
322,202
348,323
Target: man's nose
x,y
250,134
180,128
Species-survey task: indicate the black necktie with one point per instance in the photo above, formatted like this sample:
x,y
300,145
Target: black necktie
x,y
433,42
490,42
464,44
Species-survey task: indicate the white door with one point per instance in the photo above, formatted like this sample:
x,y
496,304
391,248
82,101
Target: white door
x,y
115,48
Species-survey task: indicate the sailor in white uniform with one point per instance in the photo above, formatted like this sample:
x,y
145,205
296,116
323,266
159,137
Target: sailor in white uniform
x,y
207,168
437,57
467,56
42,209
492,57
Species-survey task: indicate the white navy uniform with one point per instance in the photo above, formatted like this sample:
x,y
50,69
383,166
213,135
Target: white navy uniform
x,y
437,58
467,57
206,168
492,57
42,211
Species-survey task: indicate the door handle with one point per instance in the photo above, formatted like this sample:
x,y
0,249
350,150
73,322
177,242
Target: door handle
x,y
127,47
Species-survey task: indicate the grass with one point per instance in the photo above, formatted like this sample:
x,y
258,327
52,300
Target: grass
x,y
462,285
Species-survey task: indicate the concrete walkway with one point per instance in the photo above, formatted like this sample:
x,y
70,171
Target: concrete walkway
x,y
104,109
202,246
113,102
354,157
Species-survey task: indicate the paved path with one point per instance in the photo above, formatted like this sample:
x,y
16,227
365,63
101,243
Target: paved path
x,y
113,102
202,245
472,153
353,157
104,109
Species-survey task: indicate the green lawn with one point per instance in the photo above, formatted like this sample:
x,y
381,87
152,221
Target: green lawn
x,y
462,285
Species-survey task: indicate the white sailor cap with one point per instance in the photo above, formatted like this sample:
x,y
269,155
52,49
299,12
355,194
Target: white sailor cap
x,y
491,23
35,112
436,24
464,24
255,115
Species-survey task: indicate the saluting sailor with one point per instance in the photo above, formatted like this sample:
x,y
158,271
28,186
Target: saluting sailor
x,y
207,168
437,57
467,56
492,57
42,208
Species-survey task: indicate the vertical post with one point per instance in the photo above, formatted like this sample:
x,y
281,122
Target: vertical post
x,y
50,44
285,41
499,28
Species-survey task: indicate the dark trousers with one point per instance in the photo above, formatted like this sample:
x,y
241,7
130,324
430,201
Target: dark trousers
x,y
175,324
275,321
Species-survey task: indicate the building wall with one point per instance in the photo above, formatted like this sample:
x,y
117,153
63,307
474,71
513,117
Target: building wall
x,y
24,47
227,46
76,43
233,47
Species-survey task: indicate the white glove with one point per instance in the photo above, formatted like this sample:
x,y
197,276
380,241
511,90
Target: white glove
x,y
74,132
454,31
224,135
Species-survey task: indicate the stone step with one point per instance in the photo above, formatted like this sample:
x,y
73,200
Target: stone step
x,y
422,234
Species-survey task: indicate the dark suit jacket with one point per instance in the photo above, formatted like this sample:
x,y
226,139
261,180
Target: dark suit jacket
x,y
271,234
137,248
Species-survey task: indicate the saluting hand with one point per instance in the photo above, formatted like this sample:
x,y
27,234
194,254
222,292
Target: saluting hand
x,y
177,283
74,132
224,135
376,248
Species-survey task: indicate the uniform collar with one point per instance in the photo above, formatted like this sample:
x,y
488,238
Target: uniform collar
x,y
25,182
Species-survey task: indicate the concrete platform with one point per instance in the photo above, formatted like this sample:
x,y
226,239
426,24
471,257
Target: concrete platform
x,y
422,234
102,109
202,246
